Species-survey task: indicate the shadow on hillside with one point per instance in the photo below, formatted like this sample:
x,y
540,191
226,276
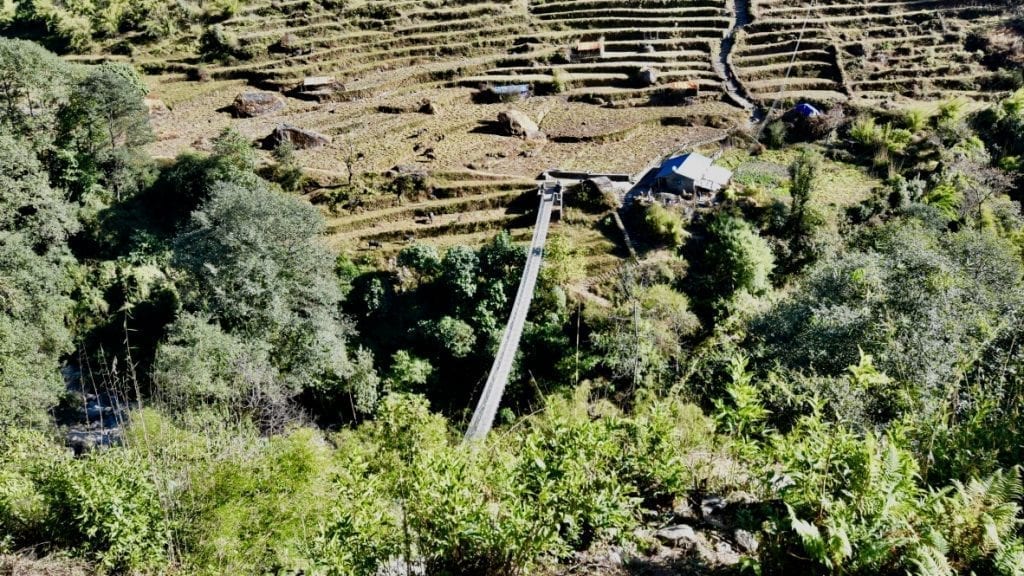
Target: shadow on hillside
x,y
490,127
685,564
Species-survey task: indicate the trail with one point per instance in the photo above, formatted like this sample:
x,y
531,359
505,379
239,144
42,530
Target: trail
x,y
487,407
734,90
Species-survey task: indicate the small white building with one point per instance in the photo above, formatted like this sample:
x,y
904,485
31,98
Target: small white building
x,y
691,173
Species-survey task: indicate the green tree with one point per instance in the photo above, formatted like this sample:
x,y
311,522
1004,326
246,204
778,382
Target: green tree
x,y
257,265
665,226
102,129
33,83
408,371
422,259
459,270
34,309
454,336
738,258
923,303
27,202
803,220
200,364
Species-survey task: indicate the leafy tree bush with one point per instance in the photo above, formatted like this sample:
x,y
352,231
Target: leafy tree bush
x,y
28,204
408,372
33,84
921,302
421,259
256,264
738,259
34,308
665,226
803,219
641,341
200,364
459,270
101,131
106,506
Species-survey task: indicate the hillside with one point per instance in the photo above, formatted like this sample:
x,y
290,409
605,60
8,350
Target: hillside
x,y
511,288
386,60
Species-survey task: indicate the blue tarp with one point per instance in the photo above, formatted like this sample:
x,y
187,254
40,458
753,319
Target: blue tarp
x,y
806,110
512,89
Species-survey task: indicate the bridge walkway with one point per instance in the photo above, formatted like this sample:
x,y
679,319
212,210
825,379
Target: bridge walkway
x,y
487,407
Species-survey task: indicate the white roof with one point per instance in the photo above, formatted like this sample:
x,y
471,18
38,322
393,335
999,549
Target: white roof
x,y
718,175
694,167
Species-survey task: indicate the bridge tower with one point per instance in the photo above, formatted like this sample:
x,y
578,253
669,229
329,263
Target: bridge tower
x,y
554,188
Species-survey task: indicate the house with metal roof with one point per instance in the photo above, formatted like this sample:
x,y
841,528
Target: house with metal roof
x,y
691,173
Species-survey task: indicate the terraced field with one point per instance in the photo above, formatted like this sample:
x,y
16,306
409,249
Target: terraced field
x,y
387,58
676,39
866,51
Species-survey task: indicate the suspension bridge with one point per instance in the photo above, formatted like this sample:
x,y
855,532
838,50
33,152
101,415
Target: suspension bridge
x,y
483,417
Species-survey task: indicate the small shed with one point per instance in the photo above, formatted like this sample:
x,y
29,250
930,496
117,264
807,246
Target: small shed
x,y
588,50
691,173
806,110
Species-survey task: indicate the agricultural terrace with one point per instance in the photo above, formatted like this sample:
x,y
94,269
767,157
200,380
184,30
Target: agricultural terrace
x,y
388,59
865,52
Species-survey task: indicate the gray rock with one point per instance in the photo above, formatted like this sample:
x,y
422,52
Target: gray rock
x,y
647,76
251,104
746,541
516,123
712,505
300,138
677,534
683,509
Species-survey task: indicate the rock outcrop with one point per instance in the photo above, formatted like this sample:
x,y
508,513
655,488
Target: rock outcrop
x,y
518,124
251,104
300,138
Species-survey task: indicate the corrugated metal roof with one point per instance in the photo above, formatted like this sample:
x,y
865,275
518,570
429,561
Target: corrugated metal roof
x,y
317,81
596,46
692,166
720,176
698,168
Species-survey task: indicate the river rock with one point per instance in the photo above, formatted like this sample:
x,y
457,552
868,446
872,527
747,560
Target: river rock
x,y
746,541
301,138
674,535
250,104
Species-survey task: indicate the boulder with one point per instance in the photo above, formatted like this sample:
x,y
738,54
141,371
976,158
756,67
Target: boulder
x,y
647,76
746,541
427,106
300,138
516,123
250,104
675,535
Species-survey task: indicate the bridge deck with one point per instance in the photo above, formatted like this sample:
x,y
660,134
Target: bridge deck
x,y
487,407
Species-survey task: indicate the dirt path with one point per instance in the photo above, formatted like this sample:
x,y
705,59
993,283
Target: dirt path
x,y
734,90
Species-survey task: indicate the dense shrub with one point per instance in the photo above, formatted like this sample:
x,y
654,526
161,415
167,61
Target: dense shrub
x,y
665,226
738,259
